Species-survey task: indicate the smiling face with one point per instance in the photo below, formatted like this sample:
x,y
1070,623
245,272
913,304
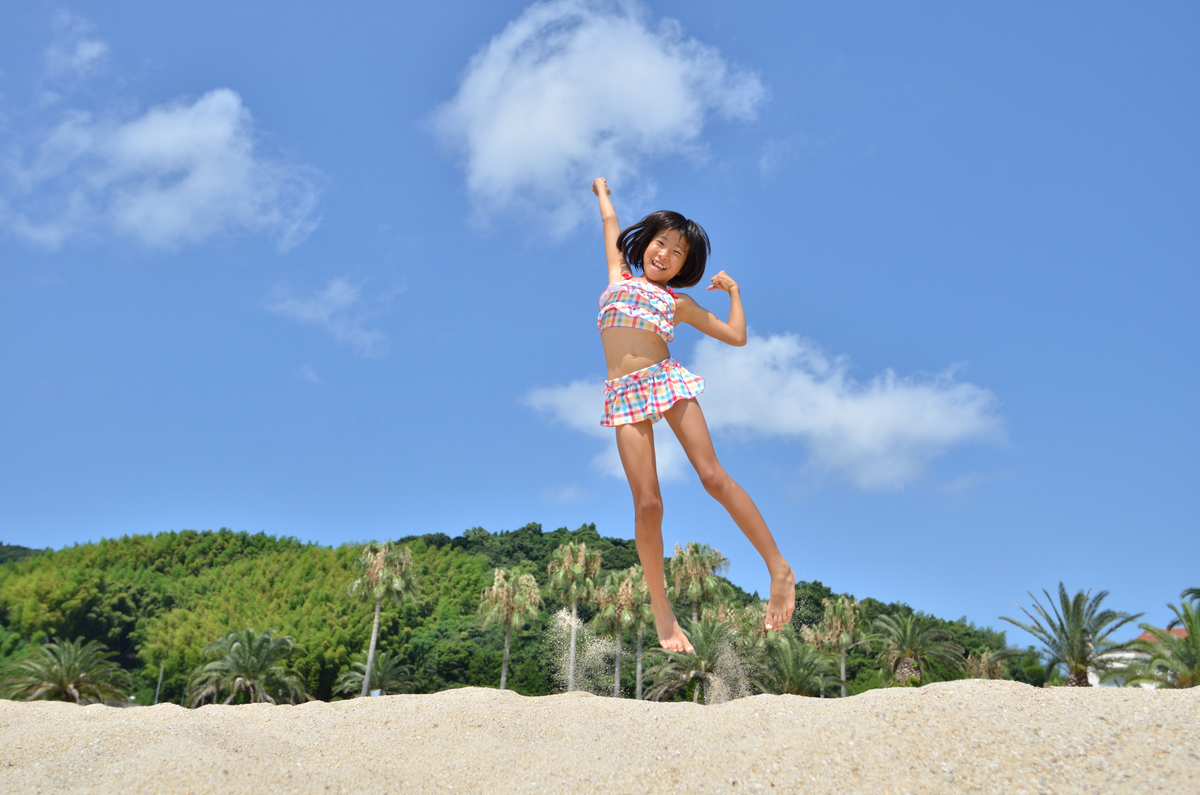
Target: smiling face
x,y
664,257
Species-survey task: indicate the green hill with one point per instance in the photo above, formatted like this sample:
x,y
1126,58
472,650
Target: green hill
x,y
158,600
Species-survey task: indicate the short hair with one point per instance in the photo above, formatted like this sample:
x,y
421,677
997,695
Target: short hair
x,y
633,241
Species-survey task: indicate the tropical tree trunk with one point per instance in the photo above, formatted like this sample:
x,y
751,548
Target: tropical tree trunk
x,y
504,665
696,693
1078,679
843,670
695,610
905,670
639,664
366,688
617,678
571,658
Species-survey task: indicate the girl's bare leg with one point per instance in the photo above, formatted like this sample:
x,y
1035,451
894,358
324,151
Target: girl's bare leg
x,y
635,443
686,419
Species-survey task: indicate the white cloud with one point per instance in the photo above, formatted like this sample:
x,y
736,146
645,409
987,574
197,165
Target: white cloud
x,y
880,435
179,173
574,89
74,52
309,373
339,309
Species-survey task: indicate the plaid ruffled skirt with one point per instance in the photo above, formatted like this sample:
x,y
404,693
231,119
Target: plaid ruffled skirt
x,y
645,394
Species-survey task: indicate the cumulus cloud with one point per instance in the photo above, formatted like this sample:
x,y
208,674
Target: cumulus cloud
x,y
179,173
574,89
74,52
340,309
880,435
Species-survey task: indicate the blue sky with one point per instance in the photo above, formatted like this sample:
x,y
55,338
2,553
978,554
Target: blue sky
x,y
331,273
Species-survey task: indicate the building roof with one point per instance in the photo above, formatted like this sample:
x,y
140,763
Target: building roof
x,y
1178,632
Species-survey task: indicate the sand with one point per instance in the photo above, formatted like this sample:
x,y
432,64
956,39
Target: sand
x,y
967,736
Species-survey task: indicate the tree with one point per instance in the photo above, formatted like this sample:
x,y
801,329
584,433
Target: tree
x,y
573,571
1169,661
711,641
839,631
254,664
67,671
384,570
693,569
796,668
635,597
988,664
510,605
1075,633
388,675
910,643
616,611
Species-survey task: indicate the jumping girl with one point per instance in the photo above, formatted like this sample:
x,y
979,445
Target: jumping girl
x,y
638,315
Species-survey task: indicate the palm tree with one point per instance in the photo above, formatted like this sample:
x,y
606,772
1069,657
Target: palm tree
x,y
911,643
710,639
839,631
1190,593
1169,661
510,605
694,569
1076,632
635,597
67,671
987,664
257,664
573,572
384,571
796,668
388,675
617,610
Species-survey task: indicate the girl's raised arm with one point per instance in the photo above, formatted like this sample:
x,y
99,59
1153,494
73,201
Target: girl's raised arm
x,y
612,230
690,312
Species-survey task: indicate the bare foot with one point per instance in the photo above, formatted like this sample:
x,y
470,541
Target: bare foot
x,y
670,636
783,598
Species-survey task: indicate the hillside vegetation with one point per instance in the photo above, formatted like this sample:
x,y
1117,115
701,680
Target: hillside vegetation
x,y
157,601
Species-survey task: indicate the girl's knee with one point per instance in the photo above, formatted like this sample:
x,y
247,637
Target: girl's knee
x,y
714,479
648,506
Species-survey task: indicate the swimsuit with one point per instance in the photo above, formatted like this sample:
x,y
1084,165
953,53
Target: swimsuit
x,y
644,394
636,304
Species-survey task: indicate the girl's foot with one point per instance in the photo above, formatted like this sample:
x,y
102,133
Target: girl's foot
x,y
783,598
670,635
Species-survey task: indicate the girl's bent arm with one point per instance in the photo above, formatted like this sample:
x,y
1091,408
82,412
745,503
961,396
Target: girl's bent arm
x,y
690,312
612,231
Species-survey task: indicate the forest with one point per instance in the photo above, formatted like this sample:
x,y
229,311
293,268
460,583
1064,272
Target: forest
x,y
158,601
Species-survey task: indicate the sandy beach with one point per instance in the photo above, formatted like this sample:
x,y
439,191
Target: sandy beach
x,y
966,736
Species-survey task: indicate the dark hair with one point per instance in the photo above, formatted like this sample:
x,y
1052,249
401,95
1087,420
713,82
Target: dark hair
x,y
633,241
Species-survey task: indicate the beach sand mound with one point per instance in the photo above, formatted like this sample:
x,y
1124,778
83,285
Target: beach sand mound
x,y
965,736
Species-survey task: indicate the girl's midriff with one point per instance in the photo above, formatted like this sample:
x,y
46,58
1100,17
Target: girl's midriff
x,y
627,350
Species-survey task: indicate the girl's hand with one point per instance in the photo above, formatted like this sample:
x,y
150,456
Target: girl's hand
x,y
599,184
722,282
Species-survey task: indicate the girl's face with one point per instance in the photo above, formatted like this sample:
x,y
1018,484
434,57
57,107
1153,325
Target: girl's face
x,y
664,256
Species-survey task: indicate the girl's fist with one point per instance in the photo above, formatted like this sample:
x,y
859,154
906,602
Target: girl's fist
x,y
722,282
599,184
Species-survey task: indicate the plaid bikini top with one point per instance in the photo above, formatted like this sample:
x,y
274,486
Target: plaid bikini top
x,y
631,303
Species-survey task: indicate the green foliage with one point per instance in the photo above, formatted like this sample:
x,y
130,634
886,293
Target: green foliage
x,y
910,644
1075,632
76,671
388,675
1168,660
162,599
797,668
11,552
248,666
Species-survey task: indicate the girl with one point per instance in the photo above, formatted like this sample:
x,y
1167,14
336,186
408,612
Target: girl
x,y
638,315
